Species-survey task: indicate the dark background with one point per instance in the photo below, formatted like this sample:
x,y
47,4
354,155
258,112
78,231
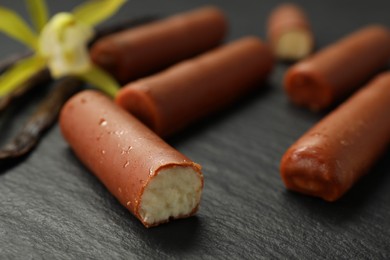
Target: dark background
x,y
52,207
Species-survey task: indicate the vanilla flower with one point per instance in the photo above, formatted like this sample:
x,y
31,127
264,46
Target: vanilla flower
x,y
61,43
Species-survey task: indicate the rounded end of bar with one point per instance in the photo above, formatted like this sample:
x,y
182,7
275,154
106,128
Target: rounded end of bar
x,y
378,28
262,55
307,89
173,193
215,18
209,23
294,45
305,172
139,105
67,111
216,12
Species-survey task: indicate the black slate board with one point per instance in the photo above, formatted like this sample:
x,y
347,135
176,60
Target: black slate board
x,y
52,207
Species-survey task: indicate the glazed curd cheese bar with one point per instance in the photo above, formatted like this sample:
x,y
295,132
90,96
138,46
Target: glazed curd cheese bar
x,y
328,76
327,160
150,178
173,99
143,50
289,33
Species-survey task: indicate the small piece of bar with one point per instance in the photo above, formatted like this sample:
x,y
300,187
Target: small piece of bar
x,y
289,33
327,160
173,99
149,177
144,50
331,74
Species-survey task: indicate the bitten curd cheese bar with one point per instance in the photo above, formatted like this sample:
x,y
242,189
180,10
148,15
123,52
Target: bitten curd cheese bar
x,y
327,160
150,178
143,50
331,74
173,99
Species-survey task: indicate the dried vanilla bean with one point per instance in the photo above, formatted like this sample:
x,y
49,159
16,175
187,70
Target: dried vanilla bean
x,y
40,78
42,119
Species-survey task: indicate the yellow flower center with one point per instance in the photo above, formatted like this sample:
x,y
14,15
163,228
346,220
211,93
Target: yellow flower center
x,y
63,42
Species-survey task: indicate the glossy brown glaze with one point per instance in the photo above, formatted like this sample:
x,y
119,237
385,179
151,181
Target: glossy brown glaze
x,y
123,153
327,160
328,76
173,99
290,21
146,49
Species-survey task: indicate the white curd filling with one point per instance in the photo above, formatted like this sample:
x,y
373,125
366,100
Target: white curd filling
x,y
294,45
173,193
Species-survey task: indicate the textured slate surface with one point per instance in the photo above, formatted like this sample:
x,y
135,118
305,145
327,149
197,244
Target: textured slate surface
x,y
52,207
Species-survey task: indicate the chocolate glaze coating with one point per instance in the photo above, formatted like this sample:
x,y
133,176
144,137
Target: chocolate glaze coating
x,y
328,159
123,153
328,76
171,100
146,49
